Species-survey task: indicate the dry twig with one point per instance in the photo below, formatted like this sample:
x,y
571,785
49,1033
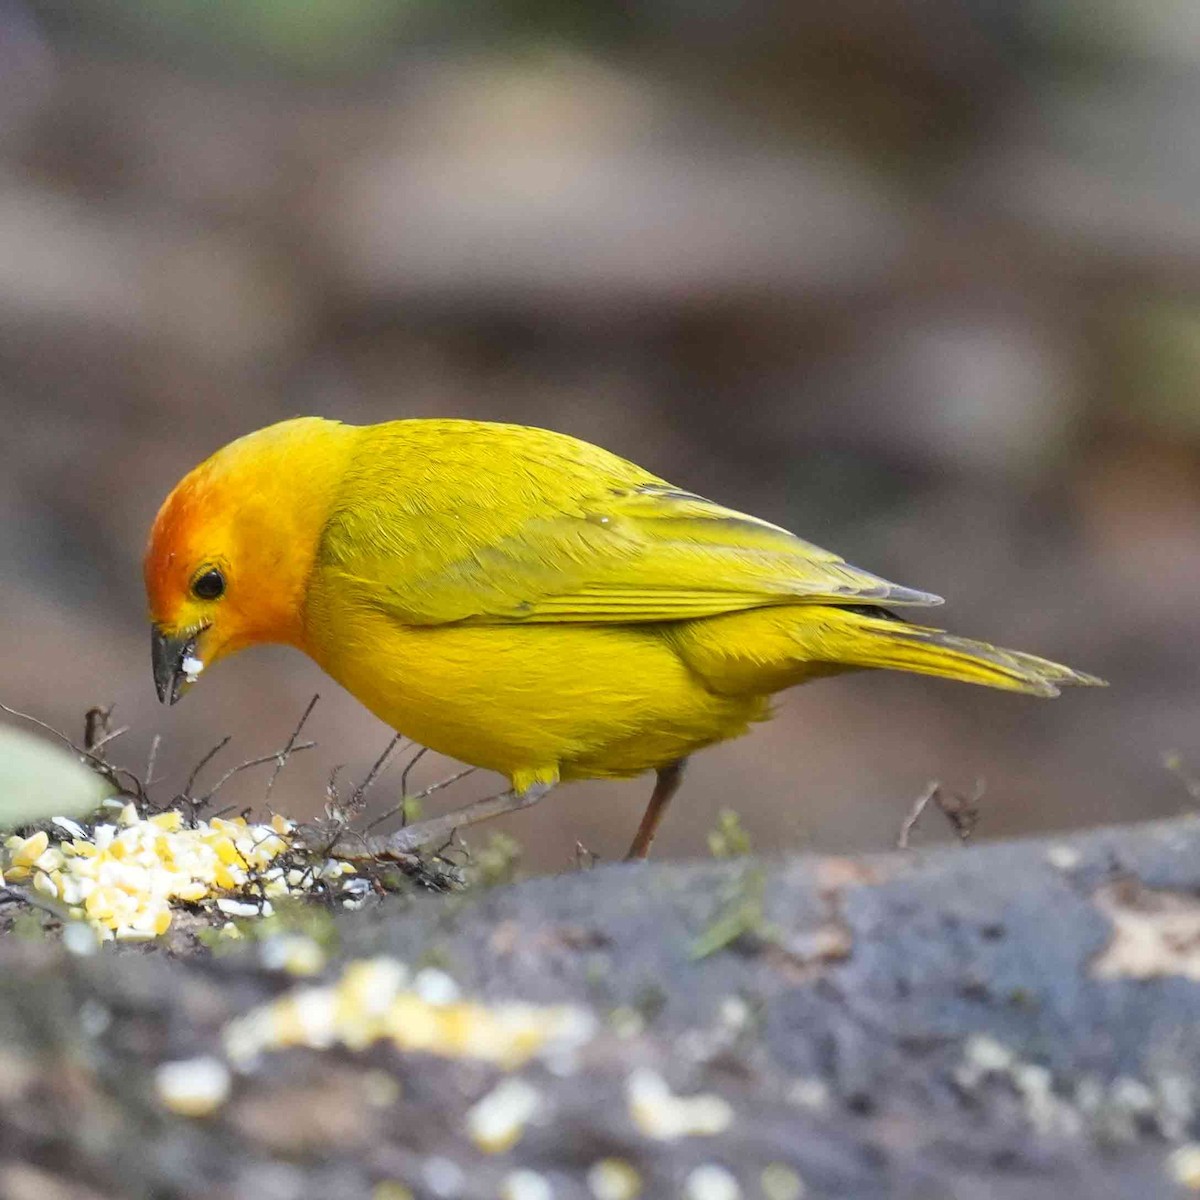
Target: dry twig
x,y
358,797
123,780
283,755
962,812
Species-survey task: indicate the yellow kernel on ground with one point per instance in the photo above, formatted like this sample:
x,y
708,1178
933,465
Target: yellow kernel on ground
x,y
103,902
711,1182
781,1182
526,1185
51,860
389,1189
496,1122
124,875
358,1015
194,1087
45,884
29,849
661,1114
614,1179
227,852
1184,1166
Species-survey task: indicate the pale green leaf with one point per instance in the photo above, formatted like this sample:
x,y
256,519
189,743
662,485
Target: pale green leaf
x,y
39,780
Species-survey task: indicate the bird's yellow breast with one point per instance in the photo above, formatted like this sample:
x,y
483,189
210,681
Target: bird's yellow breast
x,y
530,701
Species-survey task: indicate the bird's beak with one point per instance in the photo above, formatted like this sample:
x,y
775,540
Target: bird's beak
x,y
175,663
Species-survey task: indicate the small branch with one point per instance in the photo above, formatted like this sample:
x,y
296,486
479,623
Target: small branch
x,y
245,766
962,812
114,775
402,807
358,797
191,780
356,845
96,726
152,758
412,762
915,813
35,899
110,737
285,753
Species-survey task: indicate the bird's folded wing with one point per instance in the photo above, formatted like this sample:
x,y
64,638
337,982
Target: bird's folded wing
x,y
636,554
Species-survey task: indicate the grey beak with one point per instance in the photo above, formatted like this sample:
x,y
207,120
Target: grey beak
x,y
166,656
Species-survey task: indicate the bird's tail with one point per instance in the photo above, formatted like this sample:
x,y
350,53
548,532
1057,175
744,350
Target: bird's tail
x,y
884,642
768,649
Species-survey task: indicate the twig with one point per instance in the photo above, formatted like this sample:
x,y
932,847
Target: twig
x,y
110,737
107,770
915,813
358,797
35,900
191,780
96,726
412,762
402,807
402,842
283,755
152,758
962,812
251,762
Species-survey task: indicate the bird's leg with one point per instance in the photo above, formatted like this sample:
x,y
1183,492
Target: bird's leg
x,y
439,829
665,786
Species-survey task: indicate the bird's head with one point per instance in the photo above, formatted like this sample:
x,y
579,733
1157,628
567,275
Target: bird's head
x,y
233,546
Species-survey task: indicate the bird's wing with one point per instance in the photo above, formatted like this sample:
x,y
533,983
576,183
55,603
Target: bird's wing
x,y
636,552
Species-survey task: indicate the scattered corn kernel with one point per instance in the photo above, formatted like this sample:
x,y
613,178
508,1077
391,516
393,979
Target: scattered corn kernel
x,y
193,1087
127,875
1184,1166
496,1122
614,1179
660,1114
390,1189
526,1185
711,1182
24,852
781,1182
371,1003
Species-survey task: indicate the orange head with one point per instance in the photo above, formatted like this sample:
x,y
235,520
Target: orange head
x,y
233,545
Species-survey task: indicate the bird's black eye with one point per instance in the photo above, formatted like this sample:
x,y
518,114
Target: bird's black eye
x,y
209,586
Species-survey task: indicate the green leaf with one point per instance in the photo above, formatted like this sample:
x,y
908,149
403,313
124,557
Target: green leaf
x,y
39,780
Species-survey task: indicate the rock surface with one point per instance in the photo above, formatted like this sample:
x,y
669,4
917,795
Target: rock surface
x,y
1015,1020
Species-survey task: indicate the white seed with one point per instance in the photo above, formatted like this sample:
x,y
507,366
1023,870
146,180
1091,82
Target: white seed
x,y
711,1182
193,1087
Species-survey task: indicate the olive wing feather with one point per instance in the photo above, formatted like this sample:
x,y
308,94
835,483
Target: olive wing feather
x,y
641,552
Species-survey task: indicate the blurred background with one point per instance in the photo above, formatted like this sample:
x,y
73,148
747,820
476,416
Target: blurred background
x,y
917,281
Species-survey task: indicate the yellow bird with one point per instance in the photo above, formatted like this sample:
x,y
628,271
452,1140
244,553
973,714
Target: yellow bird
x,y
523,601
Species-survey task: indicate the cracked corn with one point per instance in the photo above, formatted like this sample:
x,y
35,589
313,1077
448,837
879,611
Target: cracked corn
x,y
125,878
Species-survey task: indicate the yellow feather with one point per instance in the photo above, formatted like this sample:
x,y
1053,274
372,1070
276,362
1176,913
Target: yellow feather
x,y
524,601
